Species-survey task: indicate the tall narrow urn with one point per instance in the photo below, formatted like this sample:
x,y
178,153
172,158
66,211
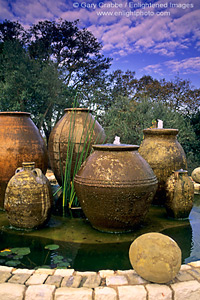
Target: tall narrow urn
x,y
72,138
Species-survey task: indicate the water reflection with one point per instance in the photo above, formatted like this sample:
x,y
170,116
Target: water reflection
x,y
195,224
89,249
183,237
105,256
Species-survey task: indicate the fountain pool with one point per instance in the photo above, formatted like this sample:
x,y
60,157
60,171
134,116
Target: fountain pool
x,y
85,249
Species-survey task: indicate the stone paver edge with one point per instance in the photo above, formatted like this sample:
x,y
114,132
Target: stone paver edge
x,y
97,285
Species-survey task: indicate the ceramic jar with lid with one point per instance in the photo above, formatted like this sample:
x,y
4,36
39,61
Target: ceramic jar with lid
x,y
115,187
161,149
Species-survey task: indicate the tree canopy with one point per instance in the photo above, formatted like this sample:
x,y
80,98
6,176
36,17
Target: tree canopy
x,y
42,68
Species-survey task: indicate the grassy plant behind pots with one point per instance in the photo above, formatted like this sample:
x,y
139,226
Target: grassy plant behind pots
x,y
78,148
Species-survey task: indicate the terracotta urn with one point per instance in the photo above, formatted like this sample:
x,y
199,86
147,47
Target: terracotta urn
x,y
115,187
179,195
161,149
74,134
20,140
28,197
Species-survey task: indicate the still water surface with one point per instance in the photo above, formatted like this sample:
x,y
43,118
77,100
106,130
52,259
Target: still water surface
x,y
87,249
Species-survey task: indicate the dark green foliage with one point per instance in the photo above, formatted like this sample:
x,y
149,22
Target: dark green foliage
x,y
133,104
14,257
12,263
21,251
30,85
42,69
5,253
11,31
127,119
51,247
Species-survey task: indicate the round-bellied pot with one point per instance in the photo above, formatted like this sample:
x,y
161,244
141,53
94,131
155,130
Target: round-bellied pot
x,y
20,140
115,187
161,149
179,195
76,130
28,197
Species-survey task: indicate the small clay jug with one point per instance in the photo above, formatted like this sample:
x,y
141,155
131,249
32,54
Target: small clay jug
x,y
179,195
28,197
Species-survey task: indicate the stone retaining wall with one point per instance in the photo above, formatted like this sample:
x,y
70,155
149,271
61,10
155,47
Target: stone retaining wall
x,y
61,284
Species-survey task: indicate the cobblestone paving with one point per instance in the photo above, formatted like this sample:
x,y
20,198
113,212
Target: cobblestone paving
x,y
61,284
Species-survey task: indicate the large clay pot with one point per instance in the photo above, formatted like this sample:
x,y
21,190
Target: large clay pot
x,y
161,149
77,129
20,140
28,197
115,187
179,195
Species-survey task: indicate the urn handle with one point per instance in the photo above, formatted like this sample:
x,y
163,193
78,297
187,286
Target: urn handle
x,y
38,172
39,177
18,170
176,175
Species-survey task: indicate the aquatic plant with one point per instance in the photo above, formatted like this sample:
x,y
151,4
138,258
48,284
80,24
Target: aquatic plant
x,y
69,198
14,257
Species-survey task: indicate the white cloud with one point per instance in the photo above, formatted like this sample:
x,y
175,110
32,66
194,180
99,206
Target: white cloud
x,y
5,10
32,11
185,66
159,35
167,36
155,69
186,24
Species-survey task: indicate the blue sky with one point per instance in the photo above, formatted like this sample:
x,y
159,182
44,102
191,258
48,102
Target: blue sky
x,y
158,38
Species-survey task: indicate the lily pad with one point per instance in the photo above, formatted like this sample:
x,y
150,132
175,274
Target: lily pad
x,y
14,250
58,259
43,267
21,251
5,253
17,257
63,265
12,263
52,247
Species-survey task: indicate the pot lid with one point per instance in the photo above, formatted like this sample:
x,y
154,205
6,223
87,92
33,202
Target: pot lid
x,y
113,147
12,113
181,171
78,109
161,131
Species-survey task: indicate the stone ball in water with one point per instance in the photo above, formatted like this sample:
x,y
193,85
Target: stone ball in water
x,y
155,257
196,175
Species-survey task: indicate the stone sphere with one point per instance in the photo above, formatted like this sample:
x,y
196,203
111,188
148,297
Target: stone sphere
x,y
196,175
155,257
